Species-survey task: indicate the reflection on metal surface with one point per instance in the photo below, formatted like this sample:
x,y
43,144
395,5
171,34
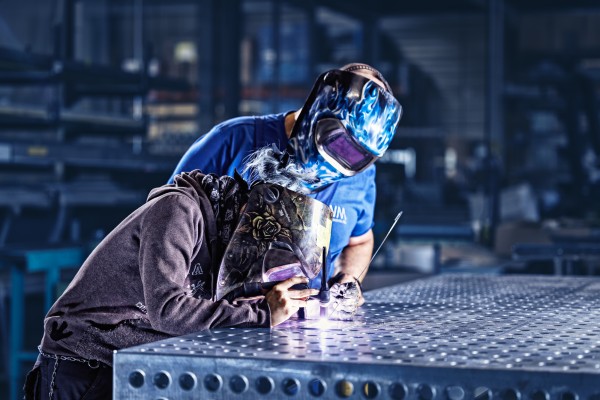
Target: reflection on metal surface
x,y
344,389
455,393
482,393
290,386
370,390
316,387
512,337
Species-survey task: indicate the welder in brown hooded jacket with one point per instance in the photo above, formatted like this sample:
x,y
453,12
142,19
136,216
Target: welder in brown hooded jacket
x,y
146,281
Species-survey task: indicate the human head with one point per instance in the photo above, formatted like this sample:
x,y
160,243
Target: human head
x,y
280,234
345,125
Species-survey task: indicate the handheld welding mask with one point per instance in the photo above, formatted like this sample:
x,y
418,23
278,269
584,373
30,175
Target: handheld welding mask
x,y
280,234
346,124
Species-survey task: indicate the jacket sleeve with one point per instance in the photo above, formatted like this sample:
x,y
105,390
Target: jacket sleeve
x,y
170,231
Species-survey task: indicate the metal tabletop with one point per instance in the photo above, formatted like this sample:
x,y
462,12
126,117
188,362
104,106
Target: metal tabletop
x,y
448,337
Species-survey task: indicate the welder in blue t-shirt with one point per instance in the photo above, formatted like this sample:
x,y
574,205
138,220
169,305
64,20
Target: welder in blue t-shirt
x,y
329,146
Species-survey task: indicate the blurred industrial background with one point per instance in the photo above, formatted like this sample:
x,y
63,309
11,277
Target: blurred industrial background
x,y
495,164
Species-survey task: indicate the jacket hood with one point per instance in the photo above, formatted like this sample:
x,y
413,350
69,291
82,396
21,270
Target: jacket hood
x,y
190,185
187,183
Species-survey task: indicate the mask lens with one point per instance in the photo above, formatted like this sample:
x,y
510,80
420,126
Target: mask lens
x,y
339,148
283,272
343,148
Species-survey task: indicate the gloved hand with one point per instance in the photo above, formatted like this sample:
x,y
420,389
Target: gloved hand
x,y
342,277
346,297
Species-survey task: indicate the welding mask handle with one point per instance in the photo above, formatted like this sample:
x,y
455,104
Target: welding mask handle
x,y
253,289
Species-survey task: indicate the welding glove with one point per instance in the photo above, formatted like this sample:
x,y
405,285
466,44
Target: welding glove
x,y
346,297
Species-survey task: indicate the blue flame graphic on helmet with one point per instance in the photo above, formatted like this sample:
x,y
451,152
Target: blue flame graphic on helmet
x,y
368,113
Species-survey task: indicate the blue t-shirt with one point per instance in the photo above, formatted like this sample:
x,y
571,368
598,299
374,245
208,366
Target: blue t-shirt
x,y
226,146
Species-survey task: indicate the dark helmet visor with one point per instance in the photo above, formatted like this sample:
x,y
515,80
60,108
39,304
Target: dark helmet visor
x,y
340,148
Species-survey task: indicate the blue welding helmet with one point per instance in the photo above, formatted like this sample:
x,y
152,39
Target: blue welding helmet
x,y
346,124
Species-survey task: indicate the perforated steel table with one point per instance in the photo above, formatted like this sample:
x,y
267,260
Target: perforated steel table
x,y
448,337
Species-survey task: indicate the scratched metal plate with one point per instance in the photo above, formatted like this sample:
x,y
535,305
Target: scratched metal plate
x,y
455,337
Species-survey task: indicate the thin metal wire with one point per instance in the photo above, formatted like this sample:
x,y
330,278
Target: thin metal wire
x,y
372,258
382,242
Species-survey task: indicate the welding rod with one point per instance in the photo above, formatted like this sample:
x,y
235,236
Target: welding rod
x,y
382,242
324,292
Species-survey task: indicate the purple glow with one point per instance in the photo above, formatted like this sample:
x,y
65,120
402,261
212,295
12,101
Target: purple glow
x,y
343,148
282,273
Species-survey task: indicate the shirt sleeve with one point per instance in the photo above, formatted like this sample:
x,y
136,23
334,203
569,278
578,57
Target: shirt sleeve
x,y
170,231
367,212
220,151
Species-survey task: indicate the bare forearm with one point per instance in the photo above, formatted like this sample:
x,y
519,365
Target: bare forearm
x,y
355,257
354,262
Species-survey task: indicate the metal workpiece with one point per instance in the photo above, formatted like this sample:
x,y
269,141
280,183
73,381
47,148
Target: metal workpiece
x,y
449,337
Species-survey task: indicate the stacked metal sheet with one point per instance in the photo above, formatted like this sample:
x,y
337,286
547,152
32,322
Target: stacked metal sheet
x,y
449,337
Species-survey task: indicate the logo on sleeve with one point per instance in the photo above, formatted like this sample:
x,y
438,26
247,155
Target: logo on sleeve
x,y
197,269
59,332
141,307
